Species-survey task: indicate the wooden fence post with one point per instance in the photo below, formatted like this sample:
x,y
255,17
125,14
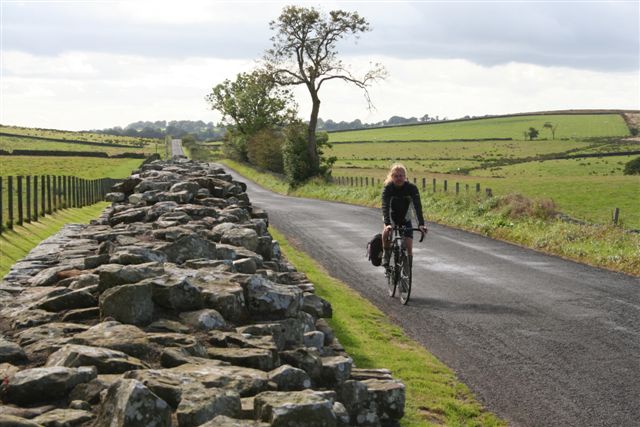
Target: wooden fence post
x,y
445,185
434,185
366,181
10,201
489,192
35,197
54,188
616,215
28,187
477,187
43,196
424,184
20,201
457,188
59,192
1,206
49,210
466,188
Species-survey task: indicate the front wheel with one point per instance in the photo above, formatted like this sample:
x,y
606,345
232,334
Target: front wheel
x,y
404,282
391,282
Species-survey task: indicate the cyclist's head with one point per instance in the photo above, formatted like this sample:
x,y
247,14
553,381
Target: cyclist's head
x,y
397,174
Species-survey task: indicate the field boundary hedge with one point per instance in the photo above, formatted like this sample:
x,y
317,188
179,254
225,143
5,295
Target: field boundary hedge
x,y
421,140
73,141
59,153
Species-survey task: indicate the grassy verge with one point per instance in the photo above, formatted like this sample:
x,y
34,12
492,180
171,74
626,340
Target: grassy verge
x,y
603,246
16,243
434,396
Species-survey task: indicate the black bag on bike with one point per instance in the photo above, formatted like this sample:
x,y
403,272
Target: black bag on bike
x,y
374,250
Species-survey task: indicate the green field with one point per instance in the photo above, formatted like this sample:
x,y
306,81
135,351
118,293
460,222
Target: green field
x,y
10,143
82,167
77,136
569,126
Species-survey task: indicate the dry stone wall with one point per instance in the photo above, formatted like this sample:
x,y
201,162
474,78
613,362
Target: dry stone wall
x,y
175,308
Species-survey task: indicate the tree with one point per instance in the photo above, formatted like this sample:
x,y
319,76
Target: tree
x,y
252,102
632,167
552,128
304,53
532,133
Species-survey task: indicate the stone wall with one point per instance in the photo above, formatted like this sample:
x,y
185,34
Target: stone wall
x,y
175,308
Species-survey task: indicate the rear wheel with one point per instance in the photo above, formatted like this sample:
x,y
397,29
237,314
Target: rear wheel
x,y
404,282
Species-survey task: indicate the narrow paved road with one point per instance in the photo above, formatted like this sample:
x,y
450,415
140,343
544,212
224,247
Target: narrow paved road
x,y
541,341
176,148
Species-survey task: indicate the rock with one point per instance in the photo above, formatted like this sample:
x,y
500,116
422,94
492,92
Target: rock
x,y
316,306
114,335
80,404
245,266
105,360
360,405
50,276
115,197
323,326
68,300
31,318
306,359
314,339
295,408
188,247
11,352
127,255
41,384
267,300
289,378
90,391
188,186
111,275
257,358
178,295
335,370
224,421
81,314
199,405
128,403
159,209
389,396
14,421
205,319
225,297
63,417
244,237
129,216
164,325
245,381
130,304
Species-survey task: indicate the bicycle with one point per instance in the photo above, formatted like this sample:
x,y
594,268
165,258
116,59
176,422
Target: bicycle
x,y
399,275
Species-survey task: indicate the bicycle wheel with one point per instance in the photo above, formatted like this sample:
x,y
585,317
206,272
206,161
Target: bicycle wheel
x,y
391,283
404,282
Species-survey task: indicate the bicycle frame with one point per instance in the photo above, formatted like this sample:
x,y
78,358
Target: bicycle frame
x,y
400,274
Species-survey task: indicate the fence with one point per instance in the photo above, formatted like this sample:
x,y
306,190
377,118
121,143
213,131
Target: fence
x,y
27,198
360,181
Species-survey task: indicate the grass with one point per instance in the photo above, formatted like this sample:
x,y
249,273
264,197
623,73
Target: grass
x,y
77,136
16,243
604,246
434,395
82,167
10,143
569,126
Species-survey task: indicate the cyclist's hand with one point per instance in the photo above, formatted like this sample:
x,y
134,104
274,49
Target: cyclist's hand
x,y
388,227
423,228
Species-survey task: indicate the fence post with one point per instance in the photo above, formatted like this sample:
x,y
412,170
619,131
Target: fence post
x,y
28,187
43,196
35,197
351,181
59,192
10,201
54,189
424,184
466,188
489,192
457,188
1,215
49,209
477,187
366,181
434,185
20,201
445,185
616,215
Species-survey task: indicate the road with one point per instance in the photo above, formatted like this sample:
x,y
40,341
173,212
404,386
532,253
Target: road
x,y
176,148
541,341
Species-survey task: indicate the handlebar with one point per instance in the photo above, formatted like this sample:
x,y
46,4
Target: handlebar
x,y
400,228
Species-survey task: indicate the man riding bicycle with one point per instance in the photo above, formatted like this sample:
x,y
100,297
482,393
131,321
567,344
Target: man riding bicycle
x,y
399,199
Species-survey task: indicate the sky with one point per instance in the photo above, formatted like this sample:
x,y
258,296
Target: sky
x,y
81,65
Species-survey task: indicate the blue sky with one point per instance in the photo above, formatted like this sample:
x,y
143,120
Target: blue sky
x,y
88,64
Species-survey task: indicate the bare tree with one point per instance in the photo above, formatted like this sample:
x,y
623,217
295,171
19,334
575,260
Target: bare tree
x,y
304,53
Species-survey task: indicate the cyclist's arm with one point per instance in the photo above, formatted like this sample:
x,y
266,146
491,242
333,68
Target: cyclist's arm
x,y
417,205
386,197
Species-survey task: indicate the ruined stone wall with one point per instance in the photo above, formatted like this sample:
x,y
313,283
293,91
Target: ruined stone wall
x,y
175,308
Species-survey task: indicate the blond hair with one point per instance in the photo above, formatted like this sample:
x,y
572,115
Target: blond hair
x,y
395,167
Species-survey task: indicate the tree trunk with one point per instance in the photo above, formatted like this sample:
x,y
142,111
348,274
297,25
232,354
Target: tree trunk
x,y
312,146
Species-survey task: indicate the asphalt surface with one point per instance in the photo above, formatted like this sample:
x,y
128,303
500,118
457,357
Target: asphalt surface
x,y
541,341
176,148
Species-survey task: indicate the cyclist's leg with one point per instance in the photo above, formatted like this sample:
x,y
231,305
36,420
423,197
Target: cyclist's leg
x,y
386,246
408,237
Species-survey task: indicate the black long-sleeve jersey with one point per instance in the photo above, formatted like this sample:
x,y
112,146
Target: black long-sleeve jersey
x,y
397,201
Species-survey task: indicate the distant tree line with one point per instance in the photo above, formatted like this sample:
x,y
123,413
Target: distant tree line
x,y
200,130
330,125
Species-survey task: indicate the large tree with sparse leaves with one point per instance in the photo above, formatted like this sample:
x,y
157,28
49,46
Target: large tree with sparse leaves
x,y
304,53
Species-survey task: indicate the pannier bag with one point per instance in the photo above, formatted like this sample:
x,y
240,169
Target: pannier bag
x,y
374,250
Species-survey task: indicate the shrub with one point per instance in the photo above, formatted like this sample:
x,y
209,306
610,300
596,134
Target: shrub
x,y
296,162
632,167
518,206
234,146
265,149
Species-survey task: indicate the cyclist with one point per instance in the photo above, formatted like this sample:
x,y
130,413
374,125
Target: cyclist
x,y
399,199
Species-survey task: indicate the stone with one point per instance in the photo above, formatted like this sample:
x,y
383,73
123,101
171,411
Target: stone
x,y
127,255
224,421
257,358
81,314
306,359
63,417
360,405
80,404
295,408
68,300
126,338
316,306
95,261
267,300
41,384
289,378
159,209
314,339
15,421
245,266
177,294
191,187
199,405
129,216
115,197
128,403
105,360
11,352
111,275
130,304
204,320
389,396
188,247
335,370
50,276
244,237
90,391
323,326
164,325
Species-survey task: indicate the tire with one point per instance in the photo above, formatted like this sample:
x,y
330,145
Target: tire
x,y
404,282
391,283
